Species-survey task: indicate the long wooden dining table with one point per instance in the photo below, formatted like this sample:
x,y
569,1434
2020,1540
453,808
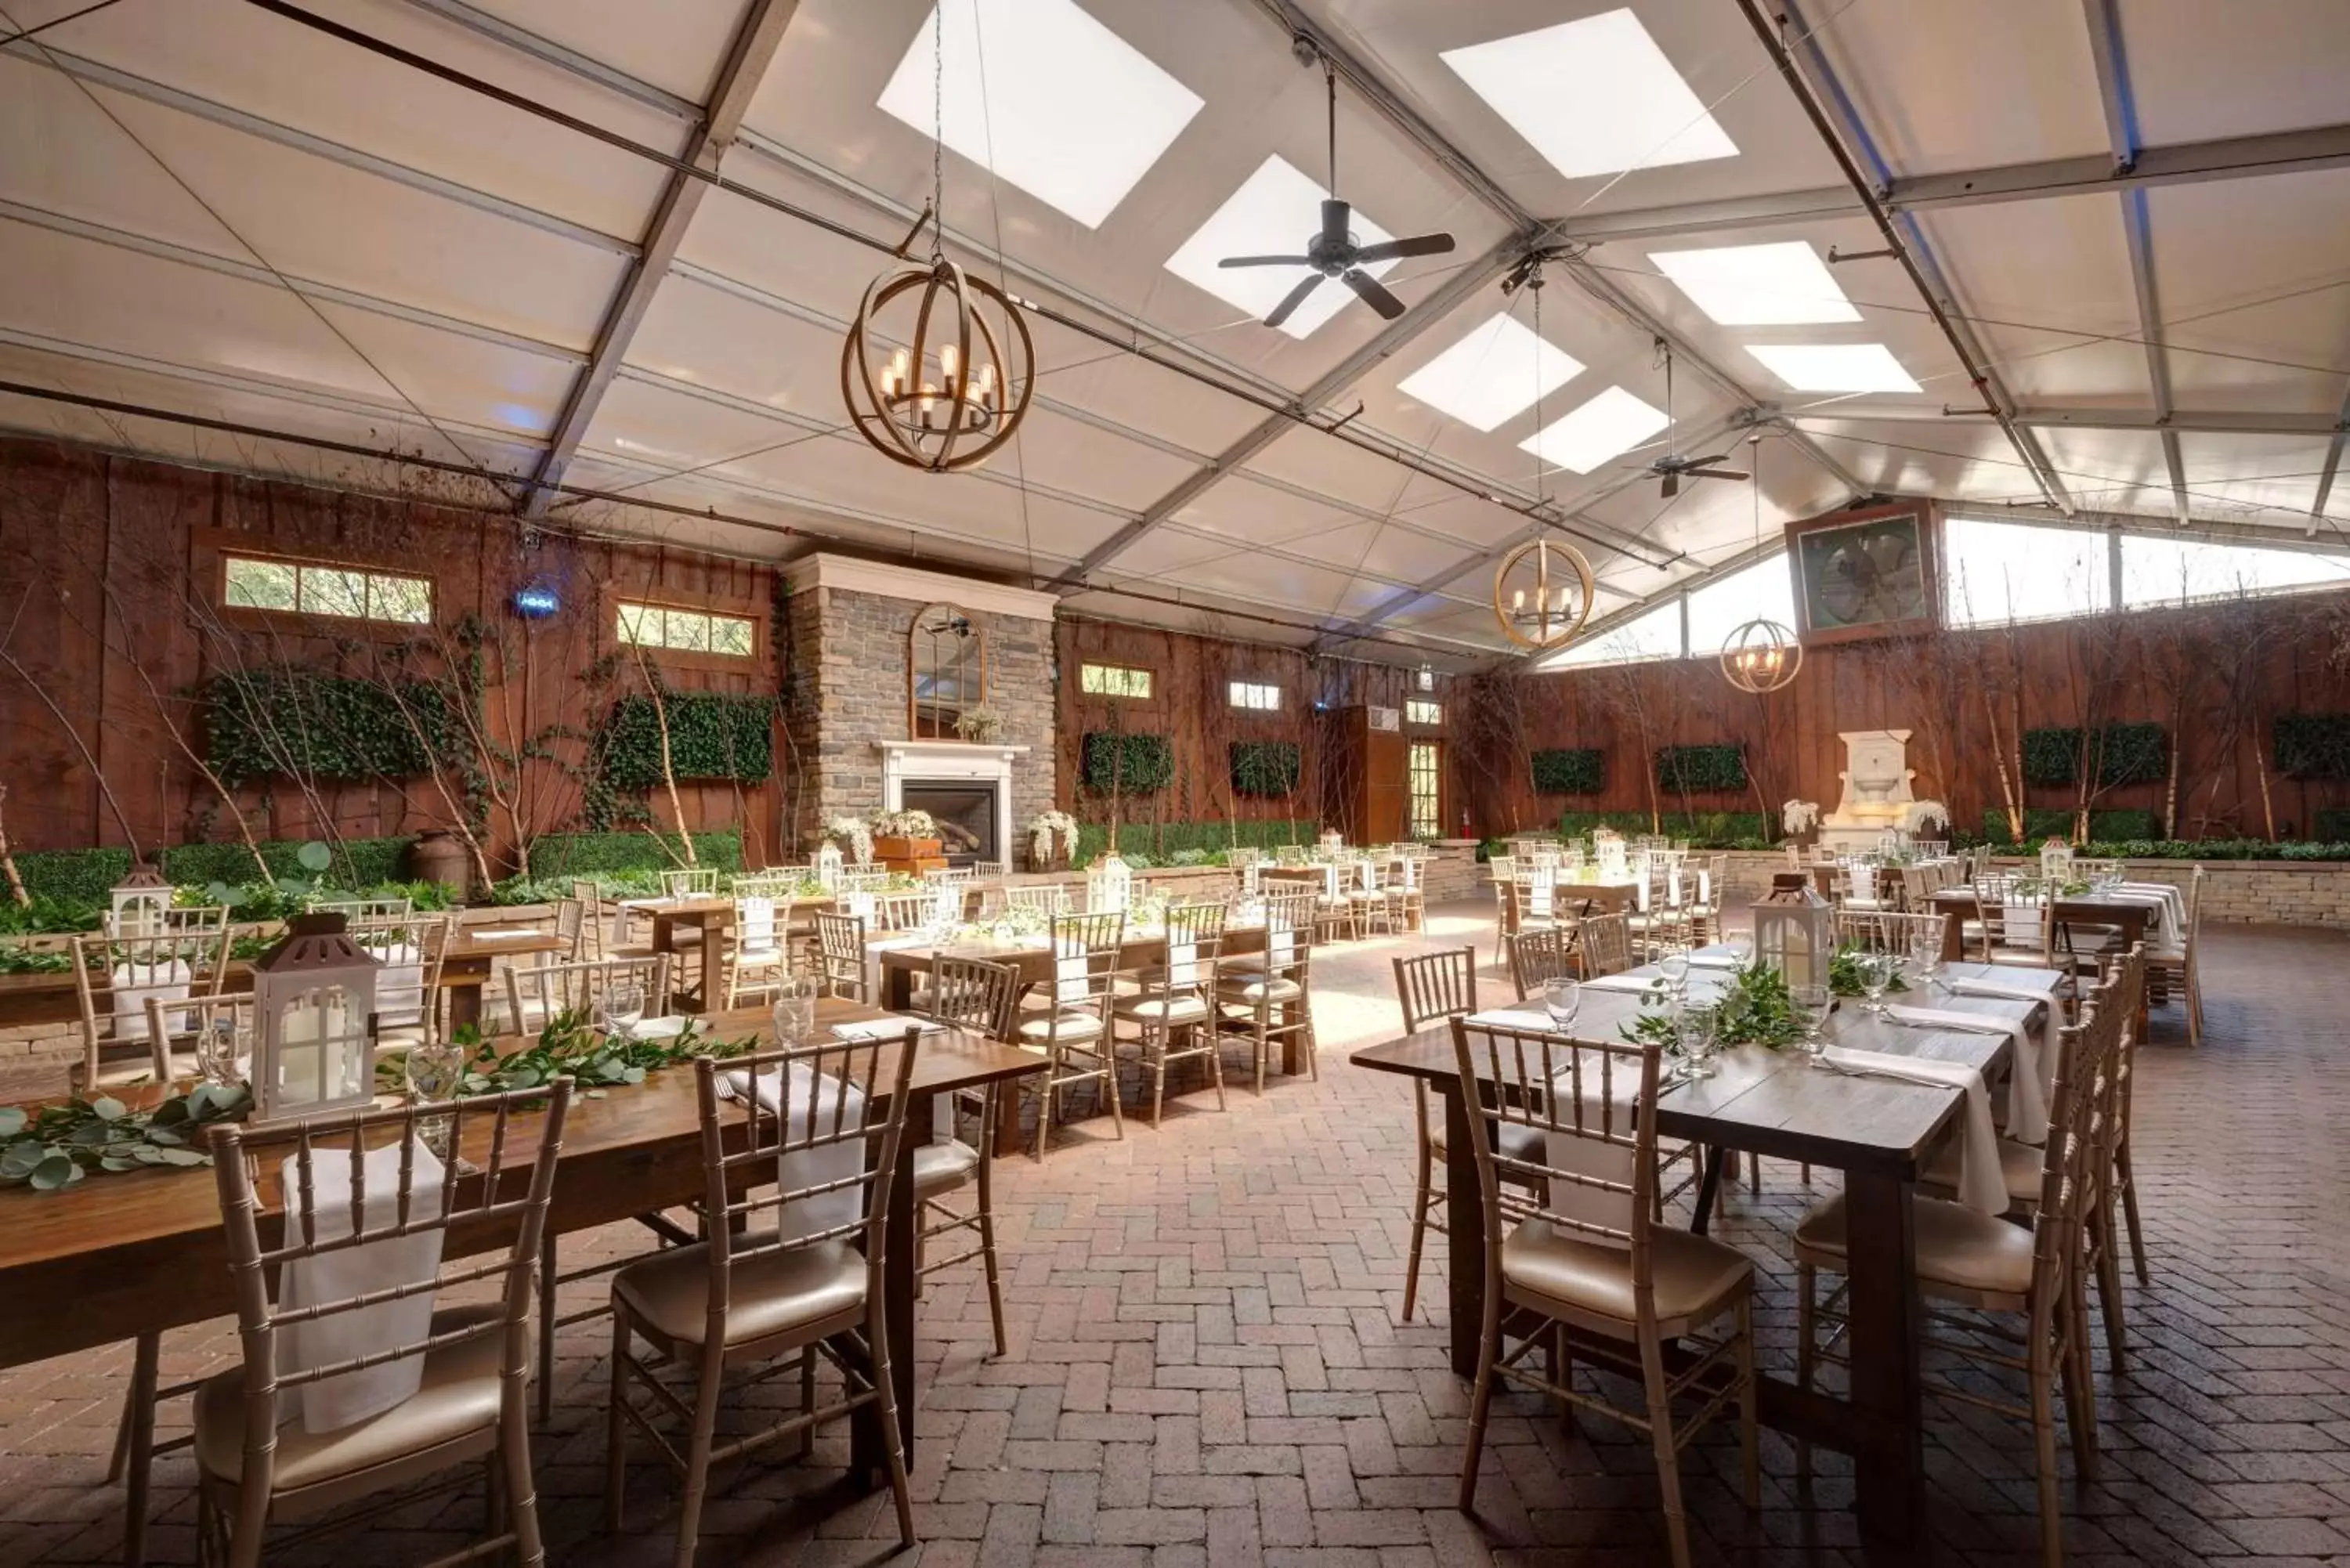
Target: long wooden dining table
x,y
116,1257
1876,1131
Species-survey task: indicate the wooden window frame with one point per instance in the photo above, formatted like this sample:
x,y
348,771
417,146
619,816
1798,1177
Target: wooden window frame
x,y
1231,701
1437,746
615,600
315,622
1151,678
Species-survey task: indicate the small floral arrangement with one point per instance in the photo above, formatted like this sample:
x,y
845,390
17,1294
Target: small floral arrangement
x,y
1799,815
903,824
1925,816
851,835
1044,829
982,726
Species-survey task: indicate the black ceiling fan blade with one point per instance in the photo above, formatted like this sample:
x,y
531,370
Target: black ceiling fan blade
x,y
1336,217
1293,299
1266,261
1715,473
1394,250
1710,458
1374,293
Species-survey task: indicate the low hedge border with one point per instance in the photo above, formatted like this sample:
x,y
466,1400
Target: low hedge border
x,y
75,877
1157,843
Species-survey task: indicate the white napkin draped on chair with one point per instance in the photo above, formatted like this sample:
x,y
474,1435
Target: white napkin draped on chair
x,y
824,1165
133,983
1981,1186
2027,1095
331,1404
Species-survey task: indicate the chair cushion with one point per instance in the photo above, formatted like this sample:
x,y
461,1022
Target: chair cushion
x,y
1073,1026
1242,988
460,1394
2019,1164
767,1294
943,1166
1957,1247
1692,1275
1172,1010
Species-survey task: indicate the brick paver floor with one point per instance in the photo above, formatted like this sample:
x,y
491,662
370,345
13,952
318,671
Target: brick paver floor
x,y
1206,1363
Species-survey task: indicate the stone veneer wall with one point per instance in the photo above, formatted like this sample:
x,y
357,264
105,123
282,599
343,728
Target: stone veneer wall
x,y
848,692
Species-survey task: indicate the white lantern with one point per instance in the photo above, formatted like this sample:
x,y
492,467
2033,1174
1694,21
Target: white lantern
x,y
1794,930
2057,862
1330,841
138,902
827,865
313,1005
1615,861
1109,885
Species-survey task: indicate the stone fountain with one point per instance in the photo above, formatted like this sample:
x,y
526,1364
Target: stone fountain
x,y
1875,789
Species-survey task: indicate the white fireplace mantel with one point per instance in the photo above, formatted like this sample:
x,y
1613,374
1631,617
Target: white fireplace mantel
x,y
903,760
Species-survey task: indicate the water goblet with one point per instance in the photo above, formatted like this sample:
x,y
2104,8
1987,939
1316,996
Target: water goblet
x,y
224,1053
624,1008
1876,977
1926,959
435,1067
1813,1002
795,1011
1694,1029
1675,967
1740,945
1562,1000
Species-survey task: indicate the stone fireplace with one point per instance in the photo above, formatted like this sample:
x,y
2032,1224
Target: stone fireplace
x,y
851,627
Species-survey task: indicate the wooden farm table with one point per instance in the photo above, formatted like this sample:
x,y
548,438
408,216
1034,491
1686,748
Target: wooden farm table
x,y
2130,919
49,997
1876,1131
469,960
116,1257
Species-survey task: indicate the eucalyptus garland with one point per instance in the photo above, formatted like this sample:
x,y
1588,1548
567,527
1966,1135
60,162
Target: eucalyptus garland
x,y
1752,1008
1844,973
571,1046
50,1148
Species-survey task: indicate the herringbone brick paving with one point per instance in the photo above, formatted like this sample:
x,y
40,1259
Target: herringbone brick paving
x,y
1206,1363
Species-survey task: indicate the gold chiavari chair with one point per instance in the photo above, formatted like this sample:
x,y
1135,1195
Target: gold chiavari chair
x,y
537,995
750,1294
1985,1265
358,909
841,955
754,957
1432,986
2119,1174
903,912
1367,901
2014,919
408,990
1602,944
693,882
1050,898
2165,968
1505,872
1072,1030
1268,1000
1576,1263
1886,931
595,920
984,998
570,929
254,1467
185,956
1539,955
1177,1002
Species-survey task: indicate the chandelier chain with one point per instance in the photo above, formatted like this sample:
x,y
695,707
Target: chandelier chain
x,y
938,133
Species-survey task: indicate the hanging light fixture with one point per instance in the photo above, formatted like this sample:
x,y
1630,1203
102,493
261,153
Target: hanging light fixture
x,y
1760,655
959,386
1541,590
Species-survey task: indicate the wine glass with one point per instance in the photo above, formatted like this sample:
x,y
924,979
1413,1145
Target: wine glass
x,y
624,1008
435,1069
1876,976
795,1011
1813,1002
224,1052
1674,965
1926,957
1740,945
1694,1029
1562,999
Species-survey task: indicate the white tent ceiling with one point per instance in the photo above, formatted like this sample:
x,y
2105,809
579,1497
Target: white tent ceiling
x,y
208,209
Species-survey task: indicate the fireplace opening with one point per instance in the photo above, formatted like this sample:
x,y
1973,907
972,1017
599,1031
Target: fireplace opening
x,y
964,810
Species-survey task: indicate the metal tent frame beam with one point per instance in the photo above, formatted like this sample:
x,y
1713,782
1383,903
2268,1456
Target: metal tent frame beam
x,y
746,62
2055,417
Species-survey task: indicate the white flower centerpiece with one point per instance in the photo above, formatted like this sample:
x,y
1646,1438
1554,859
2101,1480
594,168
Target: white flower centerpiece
x,y
1923,818
982,726
1049,829
1799,816
851,835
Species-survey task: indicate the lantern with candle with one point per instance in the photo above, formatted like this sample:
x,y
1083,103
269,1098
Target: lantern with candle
x,y
1794,930
2055,862
827,865
314,1022
138,902
1110,883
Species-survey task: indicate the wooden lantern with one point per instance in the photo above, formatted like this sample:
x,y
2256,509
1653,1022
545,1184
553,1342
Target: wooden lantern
x,y
1794,930
314,1021
827,865
1110,883
138,902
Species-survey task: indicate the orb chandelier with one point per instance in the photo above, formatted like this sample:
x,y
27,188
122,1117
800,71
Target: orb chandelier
x,y
930,381
1542,595
958,391
1541,590
1761,655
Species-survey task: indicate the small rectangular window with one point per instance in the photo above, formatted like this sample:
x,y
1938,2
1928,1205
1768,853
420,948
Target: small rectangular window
x,y
686,630
344,593
1419,710
1252,694
1426,768
1114,680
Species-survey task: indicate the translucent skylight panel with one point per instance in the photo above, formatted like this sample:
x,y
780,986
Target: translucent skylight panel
x,y
1836,367
1655,635
2157,571
1045,97
1758,285
1763,591
1501,368
1997,573
1594,95
1277,211
1609,425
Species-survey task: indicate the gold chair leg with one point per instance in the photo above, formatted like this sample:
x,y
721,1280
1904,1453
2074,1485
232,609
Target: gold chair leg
x,y
616,1426
709,1385
1668,1459
1215,1061
521,1493
893,1448
1480,1401
2043,1441
1806,1353
2129,1213
546,1289
134,1445
1423,1194
1748,1407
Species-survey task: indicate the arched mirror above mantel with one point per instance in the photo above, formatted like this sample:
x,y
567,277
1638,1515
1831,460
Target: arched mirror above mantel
x,y
946,671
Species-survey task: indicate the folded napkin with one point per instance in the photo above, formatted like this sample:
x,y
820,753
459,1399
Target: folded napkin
x,y
2027,1100
803,1168
499,933
1632,982
333,1403
665,1028
891,1028
1981,1186
2020,990
1511,1018
1715,961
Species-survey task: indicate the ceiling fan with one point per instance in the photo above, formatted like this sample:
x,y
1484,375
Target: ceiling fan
x,y
1333,252
1671,467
